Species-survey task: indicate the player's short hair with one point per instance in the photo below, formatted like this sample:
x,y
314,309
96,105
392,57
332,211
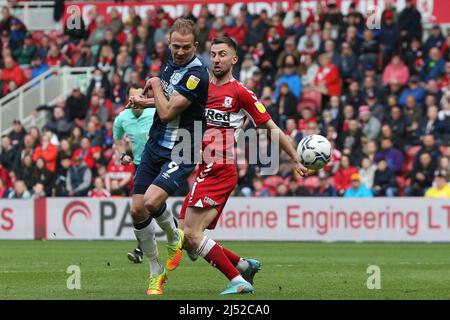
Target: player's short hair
x,y
226,40
135,86
185,27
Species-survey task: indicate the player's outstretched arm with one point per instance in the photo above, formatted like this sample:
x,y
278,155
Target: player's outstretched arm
x,y
168,109
285,144
140,102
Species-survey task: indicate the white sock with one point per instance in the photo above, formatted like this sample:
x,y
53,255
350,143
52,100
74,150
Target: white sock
x,y
205,246
166,222
238,278
147,241
155,266
242,265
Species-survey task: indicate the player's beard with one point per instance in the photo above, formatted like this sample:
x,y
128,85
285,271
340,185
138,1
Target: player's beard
x,y
220,74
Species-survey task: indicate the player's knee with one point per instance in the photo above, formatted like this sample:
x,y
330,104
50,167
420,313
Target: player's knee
x,y
151,206
138,214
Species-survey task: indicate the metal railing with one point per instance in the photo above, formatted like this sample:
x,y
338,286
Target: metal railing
x,y
44,89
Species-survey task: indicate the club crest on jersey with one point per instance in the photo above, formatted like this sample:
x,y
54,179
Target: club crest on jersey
x,y
228,102
175,78
192,82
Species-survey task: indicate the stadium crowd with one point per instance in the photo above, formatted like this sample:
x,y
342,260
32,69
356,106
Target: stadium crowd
x,y
381,96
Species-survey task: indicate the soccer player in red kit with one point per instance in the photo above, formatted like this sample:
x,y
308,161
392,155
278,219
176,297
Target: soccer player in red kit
x,y
229,103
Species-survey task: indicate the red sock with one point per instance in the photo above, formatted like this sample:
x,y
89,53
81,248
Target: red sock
x,y
217,258
233,257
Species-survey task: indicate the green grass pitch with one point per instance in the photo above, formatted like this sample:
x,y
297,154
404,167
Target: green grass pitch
x,y
290,270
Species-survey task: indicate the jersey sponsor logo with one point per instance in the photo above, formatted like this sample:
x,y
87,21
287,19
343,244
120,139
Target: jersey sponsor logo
x,y
210,201
228,102
218,118
261,108
192,82
175,78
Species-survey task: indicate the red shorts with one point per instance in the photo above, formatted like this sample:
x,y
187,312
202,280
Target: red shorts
x,y
211,188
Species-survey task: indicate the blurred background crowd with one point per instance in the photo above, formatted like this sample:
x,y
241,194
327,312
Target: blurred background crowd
x,y
381,96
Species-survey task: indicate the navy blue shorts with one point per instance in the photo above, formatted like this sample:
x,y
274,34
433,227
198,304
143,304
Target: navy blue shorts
x,y
157,168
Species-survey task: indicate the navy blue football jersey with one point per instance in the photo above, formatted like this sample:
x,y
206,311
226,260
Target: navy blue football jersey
x,y
191,81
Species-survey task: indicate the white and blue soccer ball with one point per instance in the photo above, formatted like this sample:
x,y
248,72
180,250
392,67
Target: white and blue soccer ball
x,y
314,151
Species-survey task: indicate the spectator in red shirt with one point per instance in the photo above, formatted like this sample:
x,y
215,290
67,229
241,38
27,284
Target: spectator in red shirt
x,y
327,78
239,31
48,152
54,57
99,190
120,173
98,109
3,189
5,177
342,177
86,152
308,116
219,29
277,23
12,74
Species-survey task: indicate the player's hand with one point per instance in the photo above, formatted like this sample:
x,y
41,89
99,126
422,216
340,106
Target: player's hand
x,y
126,160
130,103
301,169
135,102
148,86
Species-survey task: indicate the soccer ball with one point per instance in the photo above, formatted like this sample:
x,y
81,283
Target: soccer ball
x,y
314,151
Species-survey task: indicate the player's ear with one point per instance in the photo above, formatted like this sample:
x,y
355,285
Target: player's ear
x,y
235,59
196,44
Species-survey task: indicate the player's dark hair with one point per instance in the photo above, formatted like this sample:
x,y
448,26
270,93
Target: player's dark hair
x,y
226,40
135,86
185,27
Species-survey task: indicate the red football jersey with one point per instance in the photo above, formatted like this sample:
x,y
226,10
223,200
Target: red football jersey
x,y
99,194
118,171
227,107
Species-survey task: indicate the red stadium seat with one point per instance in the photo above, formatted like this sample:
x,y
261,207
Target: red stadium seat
x,y
401,181
331,181
411,153
300,181
310,98
273,181
108,153
312,182
37,36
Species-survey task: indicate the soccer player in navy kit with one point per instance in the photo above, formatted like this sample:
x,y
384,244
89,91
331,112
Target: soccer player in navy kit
x,y
179,98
